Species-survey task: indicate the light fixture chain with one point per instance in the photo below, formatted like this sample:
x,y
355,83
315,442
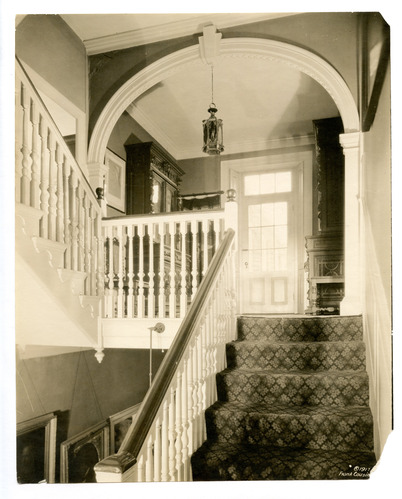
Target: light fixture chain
x,y
212,81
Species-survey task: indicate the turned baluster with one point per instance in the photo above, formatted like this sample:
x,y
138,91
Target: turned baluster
x,y
130,274
19,119
165,442
74,221
92,239
161,311
172,434
87,242
157,450
67,220
149,460
172,294
60,195
140,468
26,147
178,427
44,186
81,228
185,421
217,232
110,273
194,266
151,273
99,262
196,391
52,187
183,290
215,361
210,355
35,155
202,374
140,311
190,401
119,257
205,233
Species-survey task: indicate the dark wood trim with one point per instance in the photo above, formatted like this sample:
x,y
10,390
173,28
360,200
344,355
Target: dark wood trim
x,y
370,96
135,438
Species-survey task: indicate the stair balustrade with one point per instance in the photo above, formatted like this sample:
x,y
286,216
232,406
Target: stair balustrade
x,y
53,197
170,423
154,263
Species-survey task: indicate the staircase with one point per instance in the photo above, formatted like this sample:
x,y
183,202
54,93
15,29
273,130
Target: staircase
x,y
293,403
52,308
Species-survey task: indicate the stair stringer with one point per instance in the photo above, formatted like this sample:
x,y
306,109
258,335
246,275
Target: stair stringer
x,y
49,307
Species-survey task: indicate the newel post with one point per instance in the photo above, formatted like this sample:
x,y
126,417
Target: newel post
x,y
97,174
112,468
231,210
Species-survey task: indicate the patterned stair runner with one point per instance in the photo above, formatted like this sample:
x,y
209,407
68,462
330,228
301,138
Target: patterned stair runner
x,y
293,403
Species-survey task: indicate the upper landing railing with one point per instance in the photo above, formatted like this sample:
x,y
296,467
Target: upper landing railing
x,y
154,263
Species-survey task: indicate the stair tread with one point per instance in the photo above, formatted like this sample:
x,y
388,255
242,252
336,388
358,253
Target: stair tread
x,y
266,341
253,408
282,372
223,461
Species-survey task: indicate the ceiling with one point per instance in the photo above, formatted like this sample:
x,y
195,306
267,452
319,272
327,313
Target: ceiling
x,y
261,102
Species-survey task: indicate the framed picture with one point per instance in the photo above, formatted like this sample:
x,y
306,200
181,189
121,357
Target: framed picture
x,y
79,454
36,449
375,55
115,180
119,424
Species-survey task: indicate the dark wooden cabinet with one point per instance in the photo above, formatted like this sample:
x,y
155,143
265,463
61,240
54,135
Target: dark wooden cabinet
x,y
330,175
325,254
152,179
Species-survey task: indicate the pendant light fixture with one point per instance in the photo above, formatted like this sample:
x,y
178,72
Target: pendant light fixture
x,y
212,128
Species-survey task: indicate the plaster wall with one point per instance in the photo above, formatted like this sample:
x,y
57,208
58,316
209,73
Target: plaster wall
x,y
54,51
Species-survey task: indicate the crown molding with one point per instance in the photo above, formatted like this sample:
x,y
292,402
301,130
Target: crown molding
x,y
176,29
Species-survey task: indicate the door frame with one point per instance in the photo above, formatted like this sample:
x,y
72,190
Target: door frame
x,y
302,164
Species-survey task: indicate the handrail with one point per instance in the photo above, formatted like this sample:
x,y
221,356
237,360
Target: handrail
x,y
135,438
163,217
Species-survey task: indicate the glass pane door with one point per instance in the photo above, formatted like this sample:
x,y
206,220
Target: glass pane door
x,y
267,242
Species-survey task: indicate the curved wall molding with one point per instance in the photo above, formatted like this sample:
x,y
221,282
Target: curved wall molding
x,y
290,55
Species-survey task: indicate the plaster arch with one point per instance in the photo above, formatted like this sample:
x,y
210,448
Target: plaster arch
x,y
293,56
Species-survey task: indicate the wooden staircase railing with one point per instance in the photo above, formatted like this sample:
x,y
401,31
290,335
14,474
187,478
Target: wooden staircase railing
x,y
170,423
155,263
52,194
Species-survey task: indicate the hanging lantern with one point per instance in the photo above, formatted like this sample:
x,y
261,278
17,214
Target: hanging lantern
x,y
213,128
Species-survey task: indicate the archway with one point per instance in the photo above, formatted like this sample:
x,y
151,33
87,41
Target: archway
x,y
295,57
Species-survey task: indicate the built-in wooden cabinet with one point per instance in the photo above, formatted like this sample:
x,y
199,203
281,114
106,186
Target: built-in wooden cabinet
x,y
152,179
325,250
325,272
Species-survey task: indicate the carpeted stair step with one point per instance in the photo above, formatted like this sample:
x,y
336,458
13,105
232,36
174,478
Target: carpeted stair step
x,y
332,388
315,356
220,461
319,427
293,329
293,403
